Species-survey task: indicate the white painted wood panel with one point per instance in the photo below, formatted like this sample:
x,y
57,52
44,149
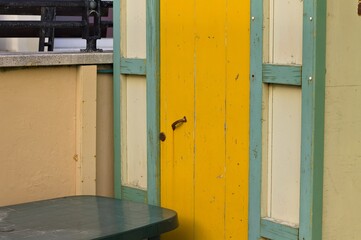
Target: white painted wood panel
x,y
136,28
284,153
134,119
286,31
134,159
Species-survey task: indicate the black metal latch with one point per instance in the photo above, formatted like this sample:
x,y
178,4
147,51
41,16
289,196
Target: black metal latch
x,y
179,123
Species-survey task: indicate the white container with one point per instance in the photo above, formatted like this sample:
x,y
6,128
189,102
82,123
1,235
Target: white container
x,y
19,44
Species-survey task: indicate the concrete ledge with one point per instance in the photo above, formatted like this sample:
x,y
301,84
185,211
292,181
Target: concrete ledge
x,y
54,59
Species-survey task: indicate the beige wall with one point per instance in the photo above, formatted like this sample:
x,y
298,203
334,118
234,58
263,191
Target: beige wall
x,y
342,174
37,140
40,129
105,153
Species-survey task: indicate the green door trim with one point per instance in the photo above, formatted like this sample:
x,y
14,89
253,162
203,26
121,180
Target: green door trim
x,y
272,230
150,68
312,137
256,88
116,99
313,108
153,92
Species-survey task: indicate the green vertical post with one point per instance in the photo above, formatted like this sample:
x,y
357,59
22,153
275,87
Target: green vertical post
x,y
255,178
116,99
153,73
313,105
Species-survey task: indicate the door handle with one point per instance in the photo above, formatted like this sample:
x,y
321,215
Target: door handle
x,y
179,123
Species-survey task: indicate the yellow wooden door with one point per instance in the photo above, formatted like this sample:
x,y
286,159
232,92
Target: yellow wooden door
x,y
205,78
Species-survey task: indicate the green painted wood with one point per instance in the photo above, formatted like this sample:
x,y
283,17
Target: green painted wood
x,y
133,66
129,66
282,74
85,217
313,97
274,230
105,71
255,164
134,194
149,68
153,110
116,99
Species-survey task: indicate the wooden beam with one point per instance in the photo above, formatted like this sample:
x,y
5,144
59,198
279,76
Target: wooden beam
x,y
86,130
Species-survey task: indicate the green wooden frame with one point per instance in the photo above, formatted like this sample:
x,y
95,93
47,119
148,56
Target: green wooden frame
x,y
282,74
148,67
313,108
311,77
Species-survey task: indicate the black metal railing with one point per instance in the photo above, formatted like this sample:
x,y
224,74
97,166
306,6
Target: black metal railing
x,y
91,27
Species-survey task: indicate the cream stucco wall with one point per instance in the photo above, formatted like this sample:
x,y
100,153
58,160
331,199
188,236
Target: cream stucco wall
x,y
44,116
37,140
342,171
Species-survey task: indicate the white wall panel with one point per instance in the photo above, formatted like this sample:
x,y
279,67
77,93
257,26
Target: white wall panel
x,y
342,161
286,31
284,153
134,159
136,28
134,118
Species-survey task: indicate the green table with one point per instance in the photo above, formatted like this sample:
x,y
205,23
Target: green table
x,y
85,217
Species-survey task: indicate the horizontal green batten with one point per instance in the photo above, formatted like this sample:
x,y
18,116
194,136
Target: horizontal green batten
x,y
276,231
133,66
105,71
282,74
134,194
